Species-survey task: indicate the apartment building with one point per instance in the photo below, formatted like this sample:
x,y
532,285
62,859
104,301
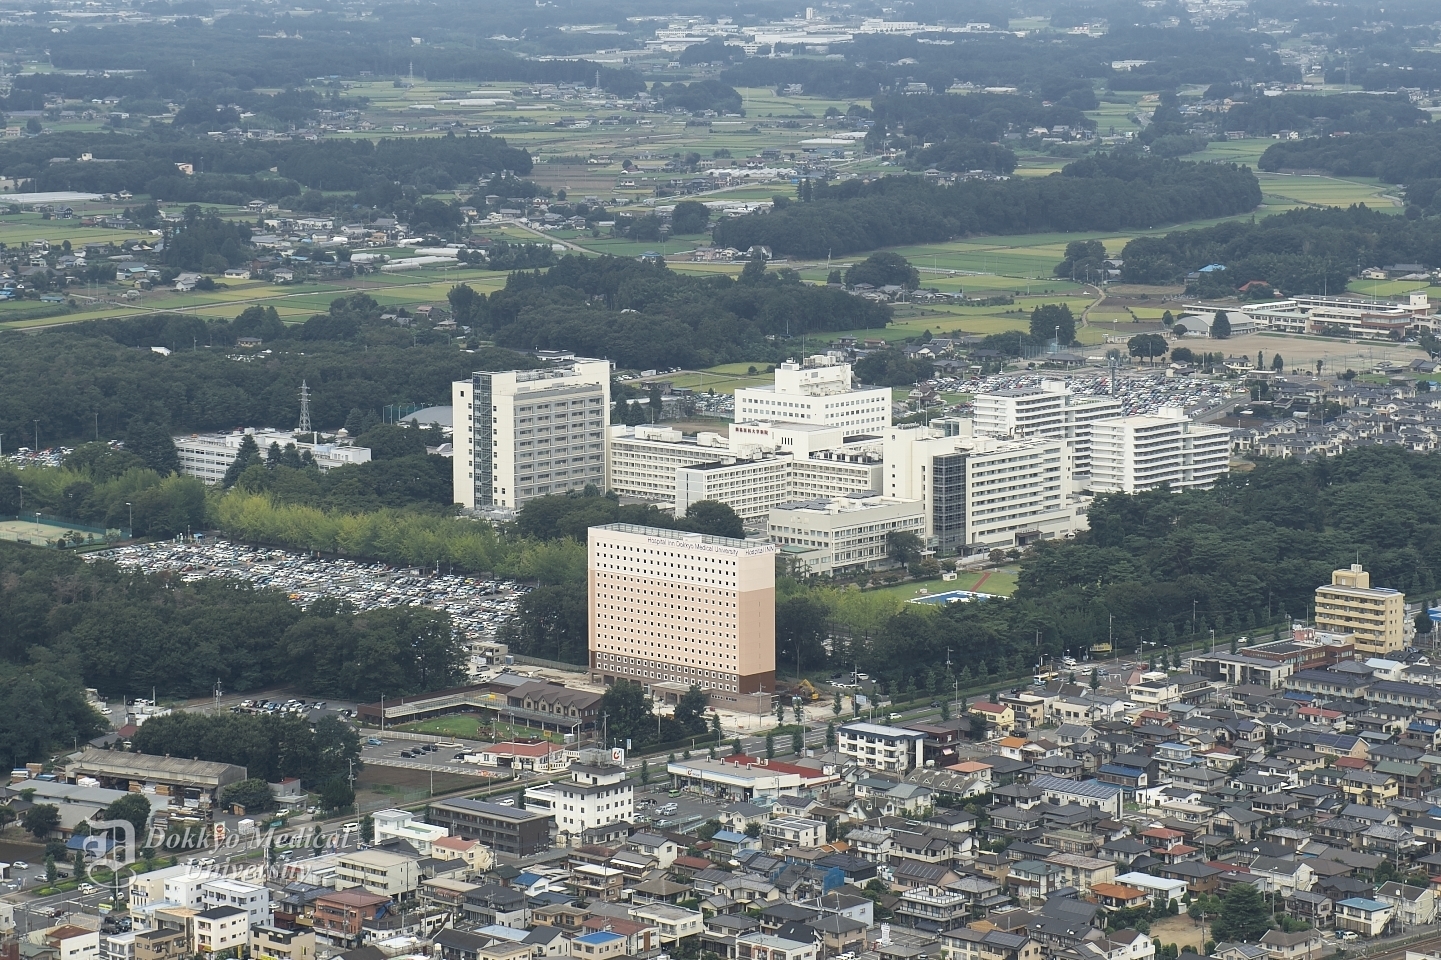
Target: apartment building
x,y
981,493
1376,616
253,898
678,607
818,390
842,534
505,830
880,747
1131,454
274,943
377,871
219,929
594,806
1050,410
522,434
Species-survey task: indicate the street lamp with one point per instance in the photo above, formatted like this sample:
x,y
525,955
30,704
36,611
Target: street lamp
x,y
37,436
132,517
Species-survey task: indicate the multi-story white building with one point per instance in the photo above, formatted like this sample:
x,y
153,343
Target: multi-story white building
x,y
759,466
1131,454
749,487
817,391
980,492
219,929
402,825
378,871
668,606
845,533
880,747
594,806
1051,411
209,455
522,434
253,898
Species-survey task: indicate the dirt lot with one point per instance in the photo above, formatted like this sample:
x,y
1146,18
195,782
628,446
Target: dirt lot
x,y
378,787
1180,930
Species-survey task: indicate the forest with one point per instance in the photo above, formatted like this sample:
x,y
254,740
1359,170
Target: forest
x,y
644,315
1301,251
66,624
1102,192
92,379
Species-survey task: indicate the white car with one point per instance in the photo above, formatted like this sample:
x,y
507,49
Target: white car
x,y
19,865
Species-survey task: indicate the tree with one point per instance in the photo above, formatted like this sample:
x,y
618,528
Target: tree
x,y
753,829
247,456
830,734
780,711
628,712
945,710
1095,678
367,828
715,519
836,705
252,794
903,546
336,794
798,742
1243,916
690,216
645,773
884,269
1220,326
52,871
1150,346
771,745
134,808
1277,364
690,710
1048,319
152,443
41,820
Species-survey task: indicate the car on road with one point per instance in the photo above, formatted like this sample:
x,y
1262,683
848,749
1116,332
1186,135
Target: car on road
x,y
87,888
373,741
19,865
506,801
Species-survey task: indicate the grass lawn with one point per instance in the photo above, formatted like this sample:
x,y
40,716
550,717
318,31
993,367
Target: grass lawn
x,y
999,582
470,726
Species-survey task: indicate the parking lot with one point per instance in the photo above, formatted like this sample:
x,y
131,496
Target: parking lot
x,y
477,606
1139,395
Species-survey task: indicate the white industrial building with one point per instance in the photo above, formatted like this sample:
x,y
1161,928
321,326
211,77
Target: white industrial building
x,y
1345,316
842,534
209,455
818,391
594,806
522,434
1131,454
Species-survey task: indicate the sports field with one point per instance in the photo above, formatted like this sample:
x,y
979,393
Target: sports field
x,y
42,534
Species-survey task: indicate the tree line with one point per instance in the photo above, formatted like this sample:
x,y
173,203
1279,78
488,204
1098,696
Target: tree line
x,y
642,315
1301,251
146,162
1262,116
1103,192
271,747
92,379
962,132
1392,156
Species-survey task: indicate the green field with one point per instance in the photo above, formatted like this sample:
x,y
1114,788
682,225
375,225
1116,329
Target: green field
x,y
469,726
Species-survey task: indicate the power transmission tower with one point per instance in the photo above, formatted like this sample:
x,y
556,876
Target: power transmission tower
x,y
304,409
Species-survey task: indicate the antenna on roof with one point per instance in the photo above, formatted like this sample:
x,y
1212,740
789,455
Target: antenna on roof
x,y
304,409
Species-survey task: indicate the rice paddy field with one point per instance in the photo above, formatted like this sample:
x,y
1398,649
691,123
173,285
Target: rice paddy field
x,y
585,159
